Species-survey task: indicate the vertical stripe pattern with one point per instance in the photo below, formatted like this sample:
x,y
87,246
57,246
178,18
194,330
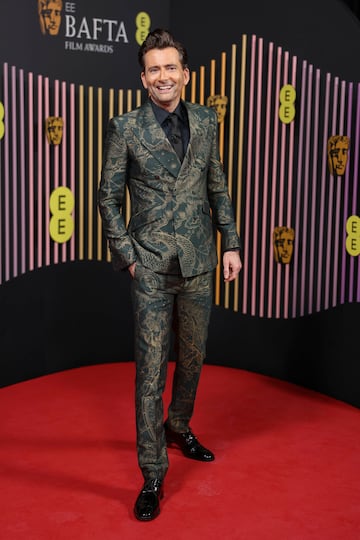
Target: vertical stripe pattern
x,y
277,175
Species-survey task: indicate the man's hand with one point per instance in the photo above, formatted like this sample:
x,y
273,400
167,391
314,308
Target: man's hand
x,y
231,265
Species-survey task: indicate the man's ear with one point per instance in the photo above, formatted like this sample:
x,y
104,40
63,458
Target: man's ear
x,y
143,80
186,76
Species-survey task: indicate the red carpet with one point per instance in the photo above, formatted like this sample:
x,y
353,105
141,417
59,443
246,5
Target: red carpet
x,y
287,461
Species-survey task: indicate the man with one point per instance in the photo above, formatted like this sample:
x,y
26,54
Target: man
x,y
168,248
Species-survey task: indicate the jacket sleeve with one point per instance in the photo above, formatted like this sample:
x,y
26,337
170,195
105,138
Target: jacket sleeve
x,y
220,201
111,195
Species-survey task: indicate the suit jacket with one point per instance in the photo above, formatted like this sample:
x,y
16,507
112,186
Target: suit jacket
x,y
174,205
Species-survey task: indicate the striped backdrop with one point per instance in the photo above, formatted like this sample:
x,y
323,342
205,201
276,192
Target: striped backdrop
x,y
277,174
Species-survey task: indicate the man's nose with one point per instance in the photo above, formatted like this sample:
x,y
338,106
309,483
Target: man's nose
x,y
163,73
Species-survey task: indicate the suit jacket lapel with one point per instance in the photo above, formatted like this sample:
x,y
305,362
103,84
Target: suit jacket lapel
x,y
152,137
198,134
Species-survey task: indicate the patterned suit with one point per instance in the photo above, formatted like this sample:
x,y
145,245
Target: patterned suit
x,y
174,208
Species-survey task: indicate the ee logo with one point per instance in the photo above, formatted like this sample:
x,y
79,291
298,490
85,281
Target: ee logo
x,y
287,104
61,207
353,238
143,23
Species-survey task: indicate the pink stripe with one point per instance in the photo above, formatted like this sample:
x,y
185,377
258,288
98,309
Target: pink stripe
x,y
22,173
47,179
290,190
283,149
248,174
330,203
256,175
356,153
339,185
346,215
356,180
274,167
31,235
291,150
39,172
7,177
336,242
56,150
313,195
63,154
305,200
14,172
64,137
323,191
299,176
281,206
264,236
72,160
1,198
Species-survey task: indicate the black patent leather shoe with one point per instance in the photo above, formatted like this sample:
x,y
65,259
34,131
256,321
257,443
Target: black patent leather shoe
x,y
147,506
188,444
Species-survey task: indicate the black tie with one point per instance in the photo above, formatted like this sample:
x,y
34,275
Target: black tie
x,y
175,136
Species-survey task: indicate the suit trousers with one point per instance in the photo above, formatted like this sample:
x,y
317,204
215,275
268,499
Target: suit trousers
x,y
166,307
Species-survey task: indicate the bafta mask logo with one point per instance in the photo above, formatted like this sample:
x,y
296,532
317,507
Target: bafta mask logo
x,y
283,242
54,129
338,149
219,103
50,16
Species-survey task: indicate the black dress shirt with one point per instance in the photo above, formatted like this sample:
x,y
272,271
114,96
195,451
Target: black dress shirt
x,y
162,117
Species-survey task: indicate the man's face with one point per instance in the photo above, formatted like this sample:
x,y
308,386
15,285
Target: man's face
x,y
164,77
51,15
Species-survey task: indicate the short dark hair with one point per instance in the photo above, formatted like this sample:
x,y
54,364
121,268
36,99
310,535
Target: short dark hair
x,y
161,39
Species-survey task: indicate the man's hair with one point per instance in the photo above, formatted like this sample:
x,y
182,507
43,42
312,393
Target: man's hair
x,y
161,39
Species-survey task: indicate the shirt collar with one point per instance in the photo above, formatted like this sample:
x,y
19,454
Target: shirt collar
x,y
161,114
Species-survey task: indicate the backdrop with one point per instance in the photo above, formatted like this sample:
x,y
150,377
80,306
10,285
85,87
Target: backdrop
x,y
61,305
